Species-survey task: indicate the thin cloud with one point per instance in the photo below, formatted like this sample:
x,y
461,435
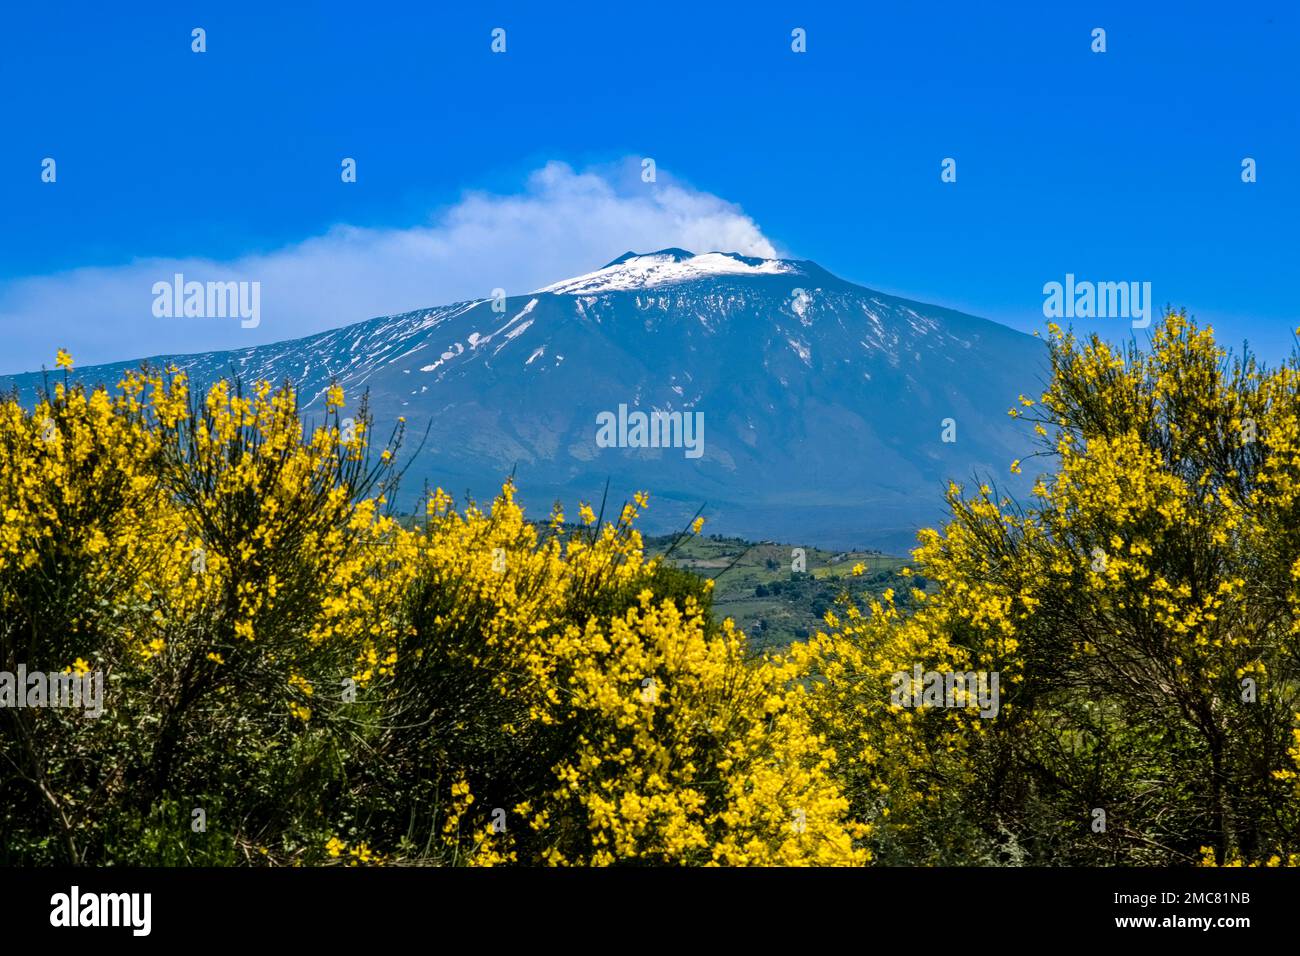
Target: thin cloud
x,y
563,222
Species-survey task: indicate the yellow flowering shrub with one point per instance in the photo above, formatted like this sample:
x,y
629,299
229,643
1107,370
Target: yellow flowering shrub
x,y
1141,609
904,769
296,675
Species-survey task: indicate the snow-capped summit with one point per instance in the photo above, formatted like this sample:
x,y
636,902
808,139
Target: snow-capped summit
x,y
633,270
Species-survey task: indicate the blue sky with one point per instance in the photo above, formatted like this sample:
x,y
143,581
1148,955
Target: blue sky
x,y
1117,166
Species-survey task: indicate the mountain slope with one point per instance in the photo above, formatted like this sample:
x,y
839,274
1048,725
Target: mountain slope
x,y
822,401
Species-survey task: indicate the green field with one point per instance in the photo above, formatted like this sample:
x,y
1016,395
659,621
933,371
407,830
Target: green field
x,y
774,605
